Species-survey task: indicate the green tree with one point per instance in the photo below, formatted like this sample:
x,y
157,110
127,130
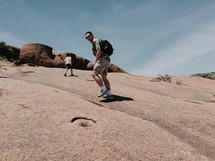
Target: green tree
x,y
2,43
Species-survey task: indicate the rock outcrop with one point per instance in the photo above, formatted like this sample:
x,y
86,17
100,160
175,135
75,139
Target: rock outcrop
x,y
40,55
43,55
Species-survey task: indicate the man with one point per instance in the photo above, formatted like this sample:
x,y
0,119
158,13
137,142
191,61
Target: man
x,y
68,64
101,64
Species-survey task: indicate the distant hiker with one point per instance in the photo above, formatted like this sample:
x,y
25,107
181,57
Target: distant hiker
x,y
68,64
100,66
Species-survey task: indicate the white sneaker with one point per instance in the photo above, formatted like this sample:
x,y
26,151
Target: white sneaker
x,y
103,92
108,95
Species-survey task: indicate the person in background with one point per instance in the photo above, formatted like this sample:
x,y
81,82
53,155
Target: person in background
x,y
100,66
68,64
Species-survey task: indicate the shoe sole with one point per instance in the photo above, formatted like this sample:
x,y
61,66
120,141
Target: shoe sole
x,y
108,97
102,94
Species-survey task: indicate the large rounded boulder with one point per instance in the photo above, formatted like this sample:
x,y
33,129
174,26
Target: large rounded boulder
x,y
40,55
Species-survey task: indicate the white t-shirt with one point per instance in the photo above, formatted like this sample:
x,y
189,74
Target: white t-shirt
x,y
68,60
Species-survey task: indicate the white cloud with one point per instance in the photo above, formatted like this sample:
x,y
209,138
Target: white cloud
x,y
189,37
199,64
189,46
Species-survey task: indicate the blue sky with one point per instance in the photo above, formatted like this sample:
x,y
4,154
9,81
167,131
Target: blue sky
x,y
150,37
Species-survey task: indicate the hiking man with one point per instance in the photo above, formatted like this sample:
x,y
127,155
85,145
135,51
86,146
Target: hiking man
x,y
68,64
100,66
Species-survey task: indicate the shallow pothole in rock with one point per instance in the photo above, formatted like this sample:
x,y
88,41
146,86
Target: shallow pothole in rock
x,y
84,121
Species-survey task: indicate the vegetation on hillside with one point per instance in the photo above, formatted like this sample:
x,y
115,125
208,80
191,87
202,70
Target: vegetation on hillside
x,y
3,49
8,52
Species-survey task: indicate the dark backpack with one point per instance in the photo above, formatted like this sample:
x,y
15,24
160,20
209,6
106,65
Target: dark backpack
x,y
106,47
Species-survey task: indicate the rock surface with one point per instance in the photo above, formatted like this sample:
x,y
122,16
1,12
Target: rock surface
x,y
147,121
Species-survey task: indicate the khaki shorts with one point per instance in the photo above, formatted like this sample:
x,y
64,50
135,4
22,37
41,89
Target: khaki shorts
x,y
101,66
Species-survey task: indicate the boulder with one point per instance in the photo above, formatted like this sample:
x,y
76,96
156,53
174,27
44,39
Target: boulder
x,y
115,68
77,61
40,55
43,55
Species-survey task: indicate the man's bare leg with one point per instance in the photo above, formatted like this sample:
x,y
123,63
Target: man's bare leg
x,y
97,79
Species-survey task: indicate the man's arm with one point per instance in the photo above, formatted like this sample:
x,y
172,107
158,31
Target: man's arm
x,y
98,49
98,55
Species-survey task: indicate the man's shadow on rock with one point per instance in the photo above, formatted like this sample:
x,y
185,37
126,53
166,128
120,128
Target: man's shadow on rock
x,y
117,98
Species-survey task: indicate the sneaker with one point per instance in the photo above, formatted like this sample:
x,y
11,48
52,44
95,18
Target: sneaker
x,y
103,92
108,96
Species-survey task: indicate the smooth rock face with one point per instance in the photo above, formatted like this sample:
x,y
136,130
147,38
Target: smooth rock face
x,y
146,120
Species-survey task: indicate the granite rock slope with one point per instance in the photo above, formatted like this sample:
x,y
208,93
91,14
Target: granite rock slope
x,y
146,120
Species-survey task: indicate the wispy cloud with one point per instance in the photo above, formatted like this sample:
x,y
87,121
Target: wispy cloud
x,y
189,37
150,37
187,47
